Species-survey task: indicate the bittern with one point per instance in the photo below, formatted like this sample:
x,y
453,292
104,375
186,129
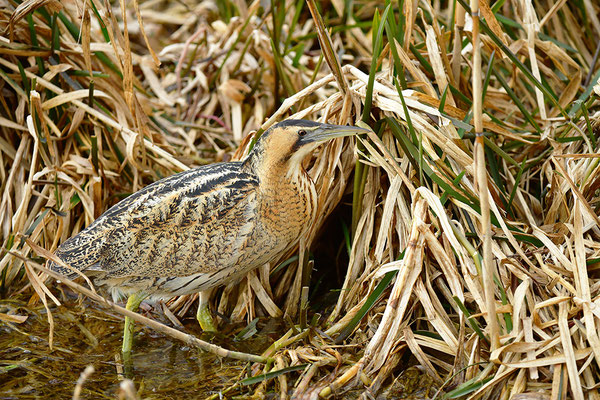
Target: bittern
x,y
204,227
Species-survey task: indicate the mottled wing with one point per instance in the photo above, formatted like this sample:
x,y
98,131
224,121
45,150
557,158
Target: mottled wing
x,y
193,222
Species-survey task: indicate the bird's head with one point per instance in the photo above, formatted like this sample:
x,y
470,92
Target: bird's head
x,y
286,144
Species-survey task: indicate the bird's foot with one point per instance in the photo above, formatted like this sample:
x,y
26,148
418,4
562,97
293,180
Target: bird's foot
x,y
205,319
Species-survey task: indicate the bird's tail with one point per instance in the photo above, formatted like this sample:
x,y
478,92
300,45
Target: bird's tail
x,y
67,272
79,253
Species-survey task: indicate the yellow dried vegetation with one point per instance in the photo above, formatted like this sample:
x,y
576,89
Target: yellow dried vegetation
x,y
475,232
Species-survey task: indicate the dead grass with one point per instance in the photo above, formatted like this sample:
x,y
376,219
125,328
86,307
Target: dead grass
x,y
494,299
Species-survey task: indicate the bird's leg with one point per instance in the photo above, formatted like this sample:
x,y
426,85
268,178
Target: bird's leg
x,y
133,303
203,315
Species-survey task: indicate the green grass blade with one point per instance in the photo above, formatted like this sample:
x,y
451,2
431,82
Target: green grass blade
x,y
505,156
273,374
377,47
488,74
516,100
100,22
292,28
588,125
24,80
493,169
35,43
247,332
576,111
471,321
369,304
285,79
466,388
347,238
443,99
412,131
391,32
513,192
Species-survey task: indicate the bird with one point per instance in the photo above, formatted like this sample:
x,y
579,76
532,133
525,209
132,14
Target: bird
x,y
204,227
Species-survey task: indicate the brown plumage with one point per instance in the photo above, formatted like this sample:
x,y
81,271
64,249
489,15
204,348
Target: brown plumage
x,y
207,226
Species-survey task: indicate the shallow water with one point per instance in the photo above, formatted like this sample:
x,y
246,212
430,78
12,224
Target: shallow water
x,y
161,368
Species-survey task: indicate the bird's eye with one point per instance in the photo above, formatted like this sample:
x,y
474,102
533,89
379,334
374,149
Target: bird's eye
x,y
301,132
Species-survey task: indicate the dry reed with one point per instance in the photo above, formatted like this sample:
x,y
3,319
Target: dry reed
x,y
475,234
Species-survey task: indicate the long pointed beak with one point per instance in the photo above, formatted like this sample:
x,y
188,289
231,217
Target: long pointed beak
x,y
328,132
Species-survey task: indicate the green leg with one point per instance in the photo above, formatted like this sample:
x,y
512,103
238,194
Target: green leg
x,y
203,315
133,303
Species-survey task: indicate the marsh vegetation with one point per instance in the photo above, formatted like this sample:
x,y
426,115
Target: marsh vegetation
x,y
458,243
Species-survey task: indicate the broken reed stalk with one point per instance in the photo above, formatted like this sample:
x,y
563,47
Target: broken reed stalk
x,y
327,47
157,326
459,24
482,185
